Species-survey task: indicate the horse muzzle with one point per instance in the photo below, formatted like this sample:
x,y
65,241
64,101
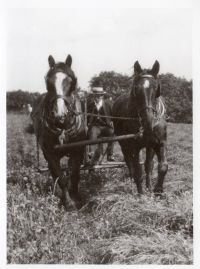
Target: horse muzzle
x,y
61,118
147,120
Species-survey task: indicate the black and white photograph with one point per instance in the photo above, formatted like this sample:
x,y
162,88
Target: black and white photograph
x,y
99,136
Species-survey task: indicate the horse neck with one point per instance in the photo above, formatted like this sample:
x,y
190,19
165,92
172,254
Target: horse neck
x,y
132,106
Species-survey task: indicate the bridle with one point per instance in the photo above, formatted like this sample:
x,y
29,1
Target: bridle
x,y
66,99
139,111
69,101
49,121
69,74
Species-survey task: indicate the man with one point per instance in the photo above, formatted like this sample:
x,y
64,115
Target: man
x,y
97,126
29,109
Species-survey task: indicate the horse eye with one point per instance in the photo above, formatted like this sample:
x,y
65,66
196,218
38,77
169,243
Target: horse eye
x,y
52,79
67,81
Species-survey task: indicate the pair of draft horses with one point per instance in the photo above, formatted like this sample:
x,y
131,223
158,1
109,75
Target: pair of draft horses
x,y
58,119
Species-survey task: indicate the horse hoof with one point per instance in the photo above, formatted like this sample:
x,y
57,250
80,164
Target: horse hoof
x,y
158,190
79,204
63,204
140,193
76,200
70,201
149,189
139,196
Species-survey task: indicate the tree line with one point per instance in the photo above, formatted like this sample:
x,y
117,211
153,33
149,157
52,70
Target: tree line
x,y
177,93
18,100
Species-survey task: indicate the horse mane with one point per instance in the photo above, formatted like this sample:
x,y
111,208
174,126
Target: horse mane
x,y
160,107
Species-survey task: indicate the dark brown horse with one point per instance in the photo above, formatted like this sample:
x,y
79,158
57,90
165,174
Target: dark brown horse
x,y
145,106
56,121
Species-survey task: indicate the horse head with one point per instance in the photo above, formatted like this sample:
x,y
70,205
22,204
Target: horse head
x,y
145,91
60,83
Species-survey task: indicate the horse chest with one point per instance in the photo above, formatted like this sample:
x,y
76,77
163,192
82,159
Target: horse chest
x,y
151,139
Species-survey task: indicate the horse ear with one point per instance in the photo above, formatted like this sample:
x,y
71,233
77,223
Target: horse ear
x,y
158,90
155,69
69,60
137,68
51,61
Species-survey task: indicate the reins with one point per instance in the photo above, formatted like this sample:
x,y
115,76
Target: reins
x,y
72,109
124,118
115,117
103,116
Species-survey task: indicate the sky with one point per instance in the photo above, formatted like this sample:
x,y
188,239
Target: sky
x,y
98,40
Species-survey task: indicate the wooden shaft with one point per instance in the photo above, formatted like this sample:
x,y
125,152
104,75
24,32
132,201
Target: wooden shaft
x,y
93,142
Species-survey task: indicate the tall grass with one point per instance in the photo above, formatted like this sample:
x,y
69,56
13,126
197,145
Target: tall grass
x,y
115,226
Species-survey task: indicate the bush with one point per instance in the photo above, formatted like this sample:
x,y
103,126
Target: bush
x,y
18,100
178,96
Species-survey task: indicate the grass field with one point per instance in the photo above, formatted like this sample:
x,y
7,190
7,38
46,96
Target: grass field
x,y
114,227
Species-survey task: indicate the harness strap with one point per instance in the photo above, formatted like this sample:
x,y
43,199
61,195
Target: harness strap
x,y
109,117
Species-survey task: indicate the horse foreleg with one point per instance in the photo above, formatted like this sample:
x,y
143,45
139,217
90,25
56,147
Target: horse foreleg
x,y
149,167
137,172
134,168
162,167
74,179
58,176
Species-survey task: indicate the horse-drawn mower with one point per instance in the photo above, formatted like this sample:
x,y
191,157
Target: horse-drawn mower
x,y
103,140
